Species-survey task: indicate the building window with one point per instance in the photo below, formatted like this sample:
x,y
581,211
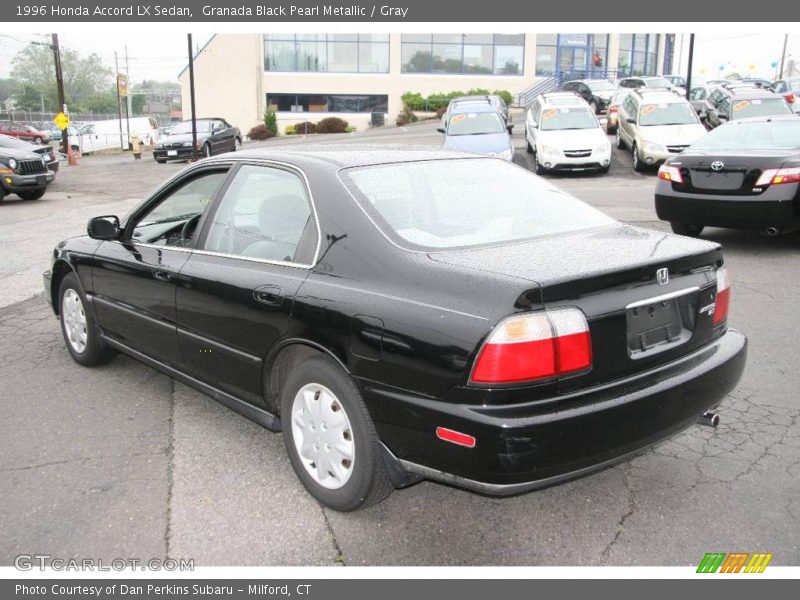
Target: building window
x,y
456,53
638,54
325,103
546,53
326,53
573,54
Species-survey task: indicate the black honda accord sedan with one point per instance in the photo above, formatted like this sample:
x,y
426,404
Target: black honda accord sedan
x,y
404,314
744,175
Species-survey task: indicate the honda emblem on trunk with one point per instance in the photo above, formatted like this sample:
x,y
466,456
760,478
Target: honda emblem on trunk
x,y
662,276
717,165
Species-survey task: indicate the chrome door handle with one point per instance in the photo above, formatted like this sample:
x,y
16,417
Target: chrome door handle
x,y
271,295
162,275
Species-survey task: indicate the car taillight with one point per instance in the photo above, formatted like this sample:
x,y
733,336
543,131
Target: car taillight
x,y
612,109
532,346
669,173
790,98
723,301
778,176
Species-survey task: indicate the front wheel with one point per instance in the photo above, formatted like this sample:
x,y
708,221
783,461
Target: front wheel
x,y
32,194
37,140
686,229
330,437
77,324
237,144
638,165
537,166
206,150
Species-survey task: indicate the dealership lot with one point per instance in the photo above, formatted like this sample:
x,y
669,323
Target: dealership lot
x,y
120,461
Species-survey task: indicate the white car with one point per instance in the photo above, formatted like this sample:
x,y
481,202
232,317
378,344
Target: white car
x,y
563,134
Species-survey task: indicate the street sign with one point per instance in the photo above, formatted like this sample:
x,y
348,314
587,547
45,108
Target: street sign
x,y
122,84
61,120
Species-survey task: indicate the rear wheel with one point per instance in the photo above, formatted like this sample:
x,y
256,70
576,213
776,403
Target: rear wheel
x,y
330,437
686,229
32,195
77,324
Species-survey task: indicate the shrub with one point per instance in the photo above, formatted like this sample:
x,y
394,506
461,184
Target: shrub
x,y
289,130
305,127
440,112
406,117
412,101
271,121
332,125
505,95
260,132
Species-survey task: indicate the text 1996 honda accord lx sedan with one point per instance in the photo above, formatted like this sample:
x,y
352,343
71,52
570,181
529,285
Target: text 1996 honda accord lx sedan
x,y
405,314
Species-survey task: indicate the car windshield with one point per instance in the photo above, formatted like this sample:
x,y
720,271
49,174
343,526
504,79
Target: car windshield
x,y
567,118
760,135
475,124
186,127
601,86
667,113
658,82
454,203
759,107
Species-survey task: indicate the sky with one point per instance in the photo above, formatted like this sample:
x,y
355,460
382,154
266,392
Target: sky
x,y
162,56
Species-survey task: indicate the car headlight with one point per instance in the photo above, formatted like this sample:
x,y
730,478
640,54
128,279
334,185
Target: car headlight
x,y
550,150
12,164
603,148
653,147
505,154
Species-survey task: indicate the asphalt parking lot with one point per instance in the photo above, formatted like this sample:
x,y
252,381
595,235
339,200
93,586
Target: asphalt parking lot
x,y
121,461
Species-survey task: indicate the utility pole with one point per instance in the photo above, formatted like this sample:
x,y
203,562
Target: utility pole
x,y
119,105
783,54
128,101
62,102
191,96
689,73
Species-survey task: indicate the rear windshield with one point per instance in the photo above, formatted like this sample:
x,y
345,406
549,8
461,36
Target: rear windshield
x,y
454,203
601,86
186,127
759,107
475,123
667,113
658,82
567,118
779,135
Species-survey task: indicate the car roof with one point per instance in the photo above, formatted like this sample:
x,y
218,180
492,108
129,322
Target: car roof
x,y
752,92
472,107
658,95
791,118
338,156
561,99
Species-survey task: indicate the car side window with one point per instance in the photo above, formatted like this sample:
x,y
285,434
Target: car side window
x,y
713,99
780,86
698,94
163,224
265,214
724,106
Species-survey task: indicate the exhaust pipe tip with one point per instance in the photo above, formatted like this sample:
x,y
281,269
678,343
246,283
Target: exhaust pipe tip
x,y
709,419
771,232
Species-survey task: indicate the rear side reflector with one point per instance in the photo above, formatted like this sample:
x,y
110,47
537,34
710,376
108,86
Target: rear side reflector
x,y
455,437
534,346
723,301
669,173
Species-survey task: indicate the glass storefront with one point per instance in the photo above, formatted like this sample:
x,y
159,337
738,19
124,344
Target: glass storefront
x,y
579,54
326,53
470,53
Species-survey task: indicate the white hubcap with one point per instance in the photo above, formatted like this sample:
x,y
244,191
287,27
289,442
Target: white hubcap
x,y
73,318
322,436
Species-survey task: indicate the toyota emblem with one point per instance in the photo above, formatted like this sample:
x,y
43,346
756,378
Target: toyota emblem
x,y
717,165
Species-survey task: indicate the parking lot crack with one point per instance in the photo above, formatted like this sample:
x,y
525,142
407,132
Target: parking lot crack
x,y
619,529
339,558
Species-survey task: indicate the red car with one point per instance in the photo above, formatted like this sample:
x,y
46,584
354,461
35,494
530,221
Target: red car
x,y
25,132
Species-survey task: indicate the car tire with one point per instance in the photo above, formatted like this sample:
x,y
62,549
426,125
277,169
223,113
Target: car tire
x,y
161,161
638,165
537,167
604,170
37,140
206,150
610,130
81,335
237,144
33,194
528,147
686,229
360,479
619,140
593,106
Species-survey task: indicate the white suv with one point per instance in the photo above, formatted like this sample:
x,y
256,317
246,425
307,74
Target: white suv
x,y
563,134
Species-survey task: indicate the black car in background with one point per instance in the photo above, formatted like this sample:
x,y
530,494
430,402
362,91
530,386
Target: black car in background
x,y
23,173
744,174
214,136
596,92
7,141
740,101
407,314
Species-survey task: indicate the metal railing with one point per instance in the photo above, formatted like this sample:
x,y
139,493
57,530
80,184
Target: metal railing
x,y
45,119
554,81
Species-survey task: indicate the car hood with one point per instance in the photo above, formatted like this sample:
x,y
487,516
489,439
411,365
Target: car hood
x,y
18,154
488,143
181,138
573,139
587,258
672,135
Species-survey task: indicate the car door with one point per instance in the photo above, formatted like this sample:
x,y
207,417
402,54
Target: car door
x,y
236,290
627,110
585,92
134,278
220,137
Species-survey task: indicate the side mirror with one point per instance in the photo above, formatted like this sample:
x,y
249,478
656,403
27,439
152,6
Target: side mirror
x,y
440,129
103,228
534,124
510,127
631,120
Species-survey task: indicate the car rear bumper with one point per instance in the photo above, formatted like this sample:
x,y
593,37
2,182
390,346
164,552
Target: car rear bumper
x,y
533,445
754,212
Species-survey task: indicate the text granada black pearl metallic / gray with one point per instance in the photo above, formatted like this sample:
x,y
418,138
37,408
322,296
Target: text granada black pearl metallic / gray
x,y
403,314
